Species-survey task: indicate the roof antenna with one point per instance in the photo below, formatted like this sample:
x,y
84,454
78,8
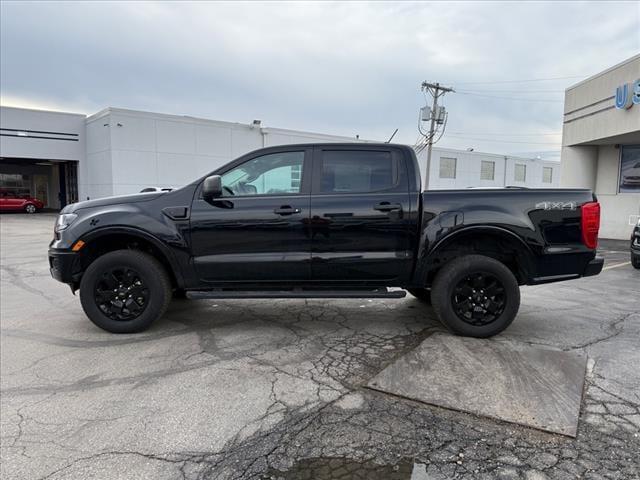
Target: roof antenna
x,y
392,135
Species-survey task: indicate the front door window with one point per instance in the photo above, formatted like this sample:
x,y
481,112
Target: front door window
x,y
273,174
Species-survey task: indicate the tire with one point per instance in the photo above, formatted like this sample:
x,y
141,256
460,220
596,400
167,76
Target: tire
x,y
635,261
30,208
130,273
475,296
422,294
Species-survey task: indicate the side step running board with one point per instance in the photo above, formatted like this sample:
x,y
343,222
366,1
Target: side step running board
x,y
297,293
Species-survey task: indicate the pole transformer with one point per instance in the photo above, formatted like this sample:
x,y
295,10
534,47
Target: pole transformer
x,y
436,90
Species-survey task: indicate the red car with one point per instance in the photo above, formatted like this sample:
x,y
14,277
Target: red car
x,y
10,202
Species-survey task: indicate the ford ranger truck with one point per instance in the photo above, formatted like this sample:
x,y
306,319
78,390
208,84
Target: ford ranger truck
x,y
324,221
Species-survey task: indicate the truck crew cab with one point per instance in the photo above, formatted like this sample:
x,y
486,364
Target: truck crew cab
x,y
324,221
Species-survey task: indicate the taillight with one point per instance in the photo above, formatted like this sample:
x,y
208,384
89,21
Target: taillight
x,y
590,224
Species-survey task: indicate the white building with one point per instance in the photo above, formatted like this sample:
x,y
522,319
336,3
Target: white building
x,y
118,151
601,144
462,169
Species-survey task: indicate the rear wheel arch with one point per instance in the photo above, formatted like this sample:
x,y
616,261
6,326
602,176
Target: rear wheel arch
x,y
494,242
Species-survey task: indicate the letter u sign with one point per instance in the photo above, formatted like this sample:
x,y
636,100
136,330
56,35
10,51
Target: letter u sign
x,y
625,98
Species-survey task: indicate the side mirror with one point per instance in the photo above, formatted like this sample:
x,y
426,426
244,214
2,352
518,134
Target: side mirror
x,y
212,187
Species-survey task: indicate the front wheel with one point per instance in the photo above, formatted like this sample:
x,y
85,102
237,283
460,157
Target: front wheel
x,y
124,291
30,208
635,261
475,296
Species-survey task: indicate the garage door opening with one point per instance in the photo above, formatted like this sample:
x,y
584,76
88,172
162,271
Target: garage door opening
x,y
54,183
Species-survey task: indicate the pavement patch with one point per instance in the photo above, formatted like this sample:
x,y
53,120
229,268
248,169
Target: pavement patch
x,y
529,386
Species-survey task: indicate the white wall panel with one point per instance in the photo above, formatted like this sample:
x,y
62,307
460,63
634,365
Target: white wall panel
x,y
133,168
98,136
175,136
213,140
67,147
175,169
207,164
95,176
245,140
129,132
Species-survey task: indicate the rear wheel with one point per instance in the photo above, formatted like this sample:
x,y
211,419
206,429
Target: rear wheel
x,y
30,208
125,291
475,296
422,294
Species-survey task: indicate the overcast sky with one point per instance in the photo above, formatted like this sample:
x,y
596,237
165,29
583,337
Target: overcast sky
x,y
339,68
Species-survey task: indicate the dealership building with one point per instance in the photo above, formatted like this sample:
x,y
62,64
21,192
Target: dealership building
x,y
601,144
62,158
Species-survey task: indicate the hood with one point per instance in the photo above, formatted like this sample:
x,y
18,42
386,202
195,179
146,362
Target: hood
x,y
101,202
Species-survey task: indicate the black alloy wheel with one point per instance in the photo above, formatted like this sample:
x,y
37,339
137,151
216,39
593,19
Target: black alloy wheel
x,y
121,294
478,299
475,296
125,291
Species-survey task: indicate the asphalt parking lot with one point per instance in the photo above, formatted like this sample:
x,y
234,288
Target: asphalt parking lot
x,y
275,389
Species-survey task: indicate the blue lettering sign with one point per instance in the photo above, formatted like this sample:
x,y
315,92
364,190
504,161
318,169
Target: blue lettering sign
x,y
628,95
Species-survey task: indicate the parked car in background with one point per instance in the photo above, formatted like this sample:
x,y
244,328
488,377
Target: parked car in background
x,y
631,177
635,246
10,202
156,189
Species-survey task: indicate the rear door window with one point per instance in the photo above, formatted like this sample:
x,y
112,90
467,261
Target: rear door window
x,y
361,171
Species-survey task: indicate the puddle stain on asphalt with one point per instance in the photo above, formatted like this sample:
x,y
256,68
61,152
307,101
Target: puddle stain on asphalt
x,y
348,469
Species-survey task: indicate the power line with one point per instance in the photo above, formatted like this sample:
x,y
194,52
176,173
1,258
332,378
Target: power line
x,y
508,134
479,90
518,81
511,98
501,141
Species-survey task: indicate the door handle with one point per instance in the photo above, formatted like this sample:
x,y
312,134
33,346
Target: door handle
x,y
286,210
388,207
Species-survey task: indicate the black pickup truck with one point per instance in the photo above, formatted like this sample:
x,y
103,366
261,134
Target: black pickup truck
x,y
324,221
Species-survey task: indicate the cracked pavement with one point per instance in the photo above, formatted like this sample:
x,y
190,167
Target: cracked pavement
x,y
259,389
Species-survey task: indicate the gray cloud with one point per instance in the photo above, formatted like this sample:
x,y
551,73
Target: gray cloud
x,y
342,68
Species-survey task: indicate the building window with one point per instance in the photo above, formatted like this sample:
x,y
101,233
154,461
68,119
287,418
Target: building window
x,y
629,169
487,170
296,177
15,185
520,173
448,167
547,174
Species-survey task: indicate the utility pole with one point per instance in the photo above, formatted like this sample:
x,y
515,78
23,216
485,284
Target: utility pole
x,y
436,90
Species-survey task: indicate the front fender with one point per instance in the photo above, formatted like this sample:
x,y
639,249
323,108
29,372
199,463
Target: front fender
x,y
166,235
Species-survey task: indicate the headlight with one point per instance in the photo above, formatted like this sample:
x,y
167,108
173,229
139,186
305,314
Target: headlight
x,y
64,220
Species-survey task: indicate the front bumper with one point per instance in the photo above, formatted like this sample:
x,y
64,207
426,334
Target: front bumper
x,y
64,266
594,267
